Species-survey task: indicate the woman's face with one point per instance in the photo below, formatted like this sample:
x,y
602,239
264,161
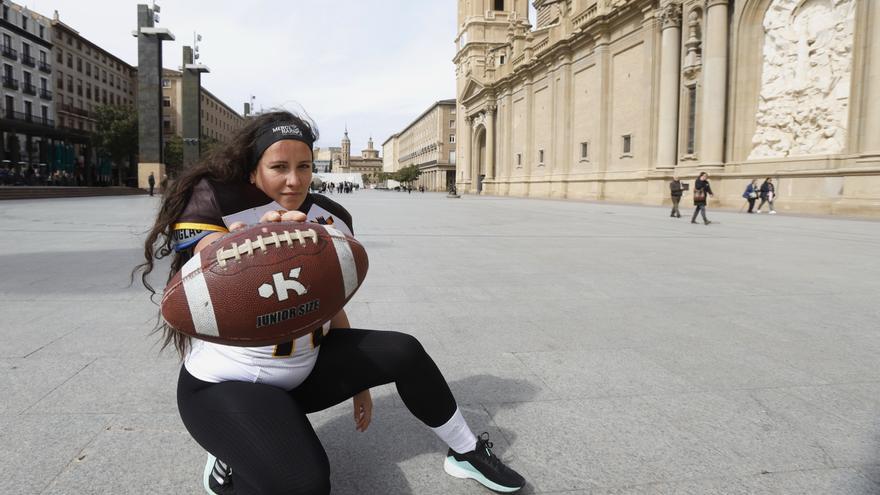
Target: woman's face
x,y
284,172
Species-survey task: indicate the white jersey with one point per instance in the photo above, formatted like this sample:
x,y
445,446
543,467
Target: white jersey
x,y
281,366
213,206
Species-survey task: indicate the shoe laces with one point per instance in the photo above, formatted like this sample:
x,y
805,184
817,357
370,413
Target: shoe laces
x,y
484,445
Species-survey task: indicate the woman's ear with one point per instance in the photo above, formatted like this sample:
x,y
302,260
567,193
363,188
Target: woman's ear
x,y
254,177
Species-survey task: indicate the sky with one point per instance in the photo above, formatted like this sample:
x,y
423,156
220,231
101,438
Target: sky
x,y
373,65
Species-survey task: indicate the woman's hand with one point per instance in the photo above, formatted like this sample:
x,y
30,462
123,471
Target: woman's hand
x,y
363,410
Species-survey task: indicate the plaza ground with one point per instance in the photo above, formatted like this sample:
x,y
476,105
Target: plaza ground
x,y
607,349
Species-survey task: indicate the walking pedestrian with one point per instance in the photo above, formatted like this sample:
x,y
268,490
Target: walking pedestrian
x,y
151,180
702,191
768,194
675,190
751,194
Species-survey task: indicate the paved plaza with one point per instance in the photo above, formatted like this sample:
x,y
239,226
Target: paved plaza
x,y
607,349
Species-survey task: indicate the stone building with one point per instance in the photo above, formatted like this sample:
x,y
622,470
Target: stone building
x,y
429,143
218,120
608,99
368,162
27,118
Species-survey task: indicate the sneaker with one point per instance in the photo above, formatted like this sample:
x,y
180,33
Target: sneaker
x,y
772,212
759,211
217,477
707,222
484,466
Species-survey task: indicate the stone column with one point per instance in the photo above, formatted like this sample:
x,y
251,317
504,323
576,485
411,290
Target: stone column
x,y
670,55
870,125
149,99
191,107
714,83
490,141
466,151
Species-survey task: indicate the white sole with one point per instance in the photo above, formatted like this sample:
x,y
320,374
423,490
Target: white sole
x,y
452,468
209,468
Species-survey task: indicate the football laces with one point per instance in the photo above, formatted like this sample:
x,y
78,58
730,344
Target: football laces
x,y
277,239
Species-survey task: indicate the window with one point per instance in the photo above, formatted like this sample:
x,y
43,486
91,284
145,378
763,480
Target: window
x,y
499,4
43,57
70,83
42,31
540,157
88,69
585,150
79,88
5,12
28,110
501,60
691,119
60,81
60,56
627,144
24,23
70,60
519,159
79,64
452,124
451,157
44,84
44,111
452,138
166,83
88,90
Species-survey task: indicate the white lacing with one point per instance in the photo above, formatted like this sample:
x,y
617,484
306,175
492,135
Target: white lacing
x,y
276,239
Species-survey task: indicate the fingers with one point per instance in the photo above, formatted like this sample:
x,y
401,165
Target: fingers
x,y
237,226
293,216
270,216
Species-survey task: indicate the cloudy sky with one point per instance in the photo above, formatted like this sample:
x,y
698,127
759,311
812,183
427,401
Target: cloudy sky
x,y
372,64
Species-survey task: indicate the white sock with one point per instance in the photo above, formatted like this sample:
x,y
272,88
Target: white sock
x,y
457,434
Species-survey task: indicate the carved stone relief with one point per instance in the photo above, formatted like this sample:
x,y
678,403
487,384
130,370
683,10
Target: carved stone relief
x,y
805,80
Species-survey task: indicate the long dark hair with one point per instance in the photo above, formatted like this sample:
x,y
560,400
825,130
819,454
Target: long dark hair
x,y
230,163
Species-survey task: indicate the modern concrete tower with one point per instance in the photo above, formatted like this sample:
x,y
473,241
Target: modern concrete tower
x,y
191,107
149,99
484,27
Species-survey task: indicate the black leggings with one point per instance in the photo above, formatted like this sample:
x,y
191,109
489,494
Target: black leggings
x,y
262,431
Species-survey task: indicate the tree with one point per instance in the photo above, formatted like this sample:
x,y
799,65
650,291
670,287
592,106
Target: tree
x,y
174,155
116,134
407,174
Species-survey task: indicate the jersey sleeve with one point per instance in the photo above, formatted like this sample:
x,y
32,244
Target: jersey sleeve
x,y
201,217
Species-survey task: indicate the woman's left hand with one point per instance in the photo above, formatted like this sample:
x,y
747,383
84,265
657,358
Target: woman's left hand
x,y
363,409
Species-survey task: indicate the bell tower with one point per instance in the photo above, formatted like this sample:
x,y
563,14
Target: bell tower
x,y
482,34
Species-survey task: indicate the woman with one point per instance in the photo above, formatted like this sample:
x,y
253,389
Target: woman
x,y
768,194
701,192
751,194
247,405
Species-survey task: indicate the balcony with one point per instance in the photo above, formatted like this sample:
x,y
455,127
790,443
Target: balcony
x,y
45,67
9,52
45,94
67,107
10,83
28,60
29,118
29,88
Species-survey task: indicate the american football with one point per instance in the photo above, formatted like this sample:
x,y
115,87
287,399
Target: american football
x,y
265,284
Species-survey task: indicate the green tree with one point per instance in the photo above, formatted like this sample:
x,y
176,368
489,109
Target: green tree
x,y
174,155
206,144
116,134
408,174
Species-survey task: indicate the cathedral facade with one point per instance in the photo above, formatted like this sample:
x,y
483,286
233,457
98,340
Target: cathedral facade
x,y
608,99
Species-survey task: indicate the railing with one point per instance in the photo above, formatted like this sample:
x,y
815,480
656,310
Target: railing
x,y
28,60
542,44
27,117
45,67
29,88
67,107
45,94
584,18
9,52
10,83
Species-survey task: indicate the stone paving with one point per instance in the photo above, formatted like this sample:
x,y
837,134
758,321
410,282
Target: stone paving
x,y
607,349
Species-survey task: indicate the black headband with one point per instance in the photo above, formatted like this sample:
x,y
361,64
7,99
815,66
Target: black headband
x,y
274,132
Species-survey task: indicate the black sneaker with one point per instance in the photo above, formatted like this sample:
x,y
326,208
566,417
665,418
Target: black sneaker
x,y
217,477
484,466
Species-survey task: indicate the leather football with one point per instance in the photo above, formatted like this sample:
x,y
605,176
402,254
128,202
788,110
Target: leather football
x,y
265,284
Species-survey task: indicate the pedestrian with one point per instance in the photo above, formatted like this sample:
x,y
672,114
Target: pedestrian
x,y
247,406
151,180
675,190
768,194
702,191
751,194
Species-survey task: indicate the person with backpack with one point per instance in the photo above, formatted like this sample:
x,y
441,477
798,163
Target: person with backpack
x,y
702,190
768,194
751,194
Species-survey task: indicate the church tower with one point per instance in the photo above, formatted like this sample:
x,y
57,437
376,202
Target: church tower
x,y
346,152
482,43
